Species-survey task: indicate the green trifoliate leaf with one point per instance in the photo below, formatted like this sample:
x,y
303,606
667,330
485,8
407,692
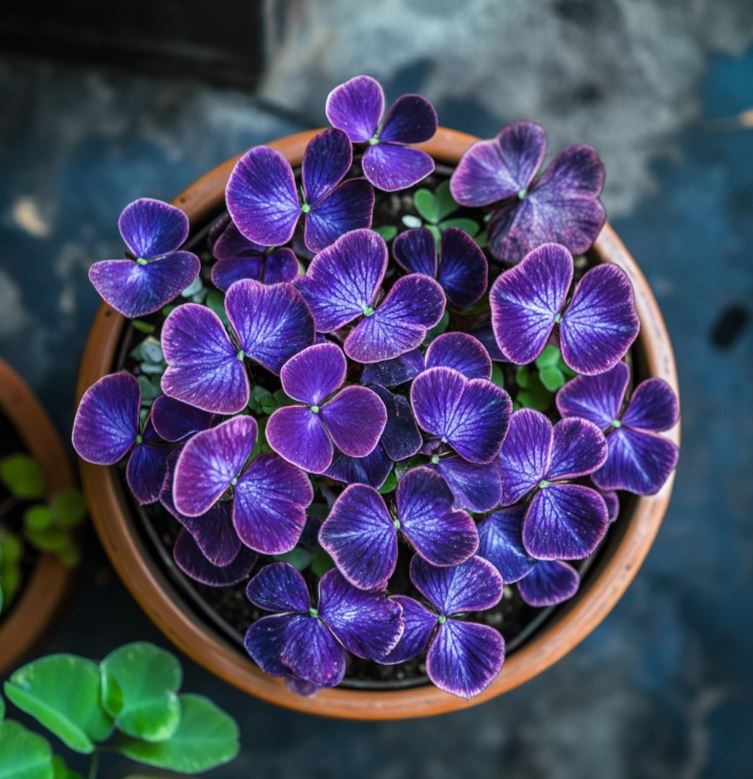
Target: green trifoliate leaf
x,y
142,326
436,234
205,738
550,356
68,508
426,205
446,204
150,390
37,517
321,563
498,375
24,754
468,225
390,484
139,690
522,376
61,771
300,558
48,539
552,378
62,692
388,232
22,476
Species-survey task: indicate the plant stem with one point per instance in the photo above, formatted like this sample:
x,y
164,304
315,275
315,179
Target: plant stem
x,y
94,765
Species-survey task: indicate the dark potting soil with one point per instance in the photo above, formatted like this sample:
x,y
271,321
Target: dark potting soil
x,y
227,609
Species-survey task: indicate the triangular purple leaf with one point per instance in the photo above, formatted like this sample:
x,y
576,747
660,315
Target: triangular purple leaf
x,y
312,653
349,207
462,352
501,543
474,585
463,270
356,107
152,228
653,406
418,626
390,167
476,487
595,398
411,119
525,454
174,421
550,582
355,419
578,448
372,469
314,373
297,434
279,587
190,559
401,437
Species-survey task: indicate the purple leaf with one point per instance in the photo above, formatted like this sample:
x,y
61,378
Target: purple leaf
x,y
342,280
355,419
411,119
390,167
418,626
312,653
499,168
612,501
349,207
327,159
441,535
470,414
462,352
189,558
392,373
360,536
401,438
174,421
203,368
297,434
231,244
653,406
269,506
474,585
526,300
485,334
463,270
501,543
578,448
416,252
276,267
372,469
638,461
600,323
356,107
210,462
550,582
464,658
261,197
525,454
272,323
368,624
264,642
279,587
564,522
315,373
147,465
475,487
152,228
301,686
107,420
595,398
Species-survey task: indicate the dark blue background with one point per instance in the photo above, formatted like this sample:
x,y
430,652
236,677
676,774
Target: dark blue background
x,y
664,688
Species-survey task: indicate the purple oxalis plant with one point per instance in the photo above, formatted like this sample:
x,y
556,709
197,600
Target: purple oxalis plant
x,y
349,412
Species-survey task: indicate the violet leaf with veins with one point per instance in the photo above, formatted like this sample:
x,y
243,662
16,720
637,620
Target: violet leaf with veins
x,y
238,258
563,521
476,486
463,657
175,421
356,107
361,535
205,364
596,327
269,495
401,438
107,429
309,642
471,415
639,460
352,419
153,231
561,206
263,200
191,560
460,267
372,469
342,285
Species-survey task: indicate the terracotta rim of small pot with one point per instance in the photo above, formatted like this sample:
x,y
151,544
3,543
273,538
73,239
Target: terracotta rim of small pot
x,y
615,568
41,596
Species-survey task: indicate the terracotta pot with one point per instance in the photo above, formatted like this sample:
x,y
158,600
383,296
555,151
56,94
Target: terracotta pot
x,y
44,592
618,562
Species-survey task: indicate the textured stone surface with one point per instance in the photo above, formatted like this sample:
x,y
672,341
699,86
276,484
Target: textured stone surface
x,y
665,687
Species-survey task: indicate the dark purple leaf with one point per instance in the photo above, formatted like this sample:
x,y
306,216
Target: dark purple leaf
x,y
476,487
549,583
653,406
356,107
315,373
372,469
392,373
349,207
297,434
174,421
411,119
525,454
462,352
595,398
312,653
463,270
264,642
474,585
152,228
190,559
401,438
279,587
355,420
147,466
327,159
390,167
578,448
416,252
501,543
418,626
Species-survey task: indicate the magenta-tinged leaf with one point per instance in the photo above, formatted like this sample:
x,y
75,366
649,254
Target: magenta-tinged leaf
x,y
342,280
653,406
107,420
279,587
499,168
462,352
368,624
595,398
272,323
327,159
275,267
463,270
147,466
474,585
297,434
526,300
349,207
501,543
312,653
264,642
600,323
152,228
418,626
392,373
203,368
355,420
411,119
578,448
190,559
401,437
550,582
525,454
471,415
210,462
174,421
564,522
134,289
269,506
372,469
356,107
638,461
476,487
390,167
360,536
261,197
416,252
314,373
612,501
464,658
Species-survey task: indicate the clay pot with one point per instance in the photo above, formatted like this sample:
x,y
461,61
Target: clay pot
x,y
44,593
618,562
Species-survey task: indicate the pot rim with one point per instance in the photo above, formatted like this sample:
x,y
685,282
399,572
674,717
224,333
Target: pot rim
x,y
561,633
50,581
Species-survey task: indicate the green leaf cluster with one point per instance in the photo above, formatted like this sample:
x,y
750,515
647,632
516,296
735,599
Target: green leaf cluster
x,y
129,703
539,381
435,210
151,366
